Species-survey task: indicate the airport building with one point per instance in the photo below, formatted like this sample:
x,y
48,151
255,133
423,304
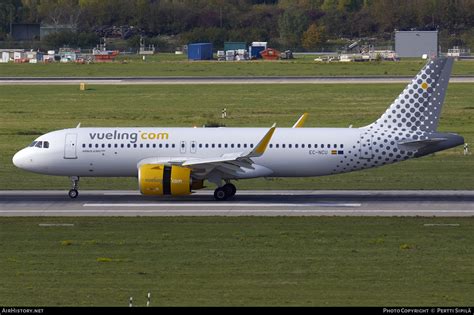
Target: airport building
x,y
416,43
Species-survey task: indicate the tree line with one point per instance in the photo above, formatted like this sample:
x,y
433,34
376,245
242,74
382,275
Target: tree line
x,y
292,24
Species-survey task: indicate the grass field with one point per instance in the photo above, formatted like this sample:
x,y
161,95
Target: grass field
x,y
171,65
28,111
312,261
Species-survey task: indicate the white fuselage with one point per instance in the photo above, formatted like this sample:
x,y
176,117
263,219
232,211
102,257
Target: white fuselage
x,y
292,152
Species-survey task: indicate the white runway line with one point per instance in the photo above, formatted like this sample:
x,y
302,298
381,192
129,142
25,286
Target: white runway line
x,y
220,205
123,194
334,212
448,224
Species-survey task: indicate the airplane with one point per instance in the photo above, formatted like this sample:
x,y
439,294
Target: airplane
x,y
177,161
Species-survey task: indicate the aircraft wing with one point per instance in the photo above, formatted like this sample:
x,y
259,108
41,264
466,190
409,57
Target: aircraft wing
x,y
229,164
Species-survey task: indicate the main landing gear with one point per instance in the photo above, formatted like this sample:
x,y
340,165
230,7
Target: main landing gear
x,y
73,193
225,192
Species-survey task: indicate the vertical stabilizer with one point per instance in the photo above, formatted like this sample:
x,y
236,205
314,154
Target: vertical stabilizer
x,y
418,107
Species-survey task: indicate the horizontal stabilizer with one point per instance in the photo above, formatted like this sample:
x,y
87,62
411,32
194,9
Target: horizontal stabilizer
x,y
417,144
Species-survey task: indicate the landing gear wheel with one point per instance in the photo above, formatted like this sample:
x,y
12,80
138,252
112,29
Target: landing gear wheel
x,y
230,189
73,193
220,194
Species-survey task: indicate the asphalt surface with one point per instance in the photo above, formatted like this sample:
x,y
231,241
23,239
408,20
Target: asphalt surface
x,y
245,203
215,80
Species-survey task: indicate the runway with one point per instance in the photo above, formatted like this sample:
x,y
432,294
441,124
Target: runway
x,y
245,203
215,80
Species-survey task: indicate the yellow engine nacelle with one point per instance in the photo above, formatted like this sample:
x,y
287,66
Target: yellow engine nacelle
x,y
158,179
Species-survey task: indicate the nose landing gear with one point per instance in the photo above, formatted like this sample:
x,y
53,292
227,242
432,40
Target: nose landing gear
x,y
73,193
225,192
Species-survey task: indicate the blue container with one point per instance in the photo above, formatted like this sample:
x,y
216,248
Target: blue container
x,y
255,51
200,51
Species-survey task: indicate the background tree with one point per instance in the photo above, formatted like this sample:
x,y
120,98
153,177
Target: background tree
x,y
280,22
314,37
292,23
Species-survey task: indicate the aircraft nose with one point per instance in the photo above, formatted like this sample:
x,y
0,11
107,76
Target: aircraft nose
x,y
19,159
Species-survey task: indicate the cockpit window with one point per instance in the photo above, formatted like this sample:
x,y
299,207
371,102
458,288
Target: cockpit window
x,y
40,144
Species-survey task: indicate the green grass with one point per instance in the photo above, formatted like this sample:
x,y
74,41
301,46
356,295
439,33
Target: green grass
x,y
28,111
307,261
171,65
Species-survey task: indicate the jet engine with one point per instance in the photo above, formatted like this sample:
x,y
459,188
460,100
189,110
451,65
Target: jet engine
x,y
159,179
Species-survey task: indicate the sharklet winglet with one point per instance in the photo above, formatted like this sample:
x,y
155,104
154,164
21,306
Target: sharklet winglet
x,y
263,144
300,122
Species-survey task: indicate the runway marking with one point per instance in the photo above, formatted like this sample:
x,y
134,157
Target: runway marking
x,y
236,211
452,224
219,205
123,194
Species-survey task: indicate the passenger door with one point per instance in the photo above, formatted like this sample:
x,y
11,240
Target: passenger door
x,y
70,146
